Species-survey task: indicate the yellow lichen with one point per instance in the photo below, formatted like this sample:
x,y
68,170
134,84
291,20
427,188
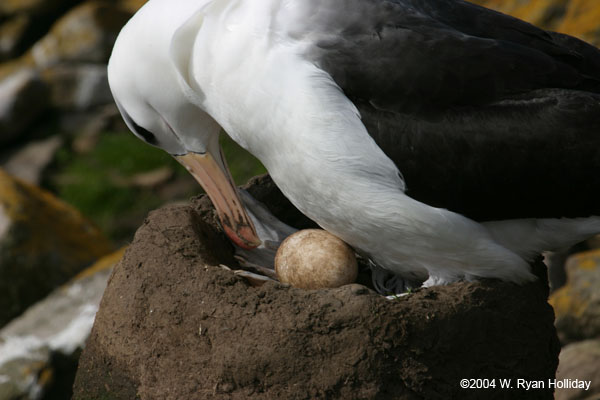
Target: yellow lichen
x,y
566,301
579,18
583,20
10,7
48,224
538,12
132,5
46,377
587,260
588,264
569,299
106,262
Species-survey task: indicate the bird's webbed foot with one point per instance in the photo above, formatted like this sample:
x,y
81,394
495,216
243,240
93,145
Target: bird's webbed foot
x,y
386,282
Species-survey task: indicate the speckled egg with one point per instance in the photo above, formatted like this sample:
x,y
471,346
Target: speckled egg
x,y
313,259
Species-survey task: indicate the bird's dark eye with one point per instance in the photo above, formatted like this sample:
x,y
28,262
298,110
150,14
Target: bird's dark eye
x,y
141,132
144,133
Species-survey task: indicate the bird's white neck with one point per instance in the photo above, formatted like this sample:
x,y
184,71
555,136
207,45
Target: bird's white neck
x,y
310,139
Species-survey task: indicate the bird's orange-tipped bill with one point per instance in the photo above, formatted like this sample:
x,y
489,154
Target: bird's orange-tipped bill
x,y
222,192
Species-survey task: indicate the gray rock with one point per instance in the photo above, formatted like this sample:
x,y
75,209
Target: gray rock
x,y
85,34
30,161
580,361
43,243
77,87
23,97
55,328
87,127
91,122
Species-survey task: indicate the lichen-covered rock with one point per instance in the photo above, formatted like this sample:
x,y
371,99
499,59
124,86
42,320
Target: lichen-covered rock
x,y
12,34
85,34
580,361
39,350
577,304
36,7
23,97
132,5
78,86
579,18
582,20
545,13
23,22
174,325
43,243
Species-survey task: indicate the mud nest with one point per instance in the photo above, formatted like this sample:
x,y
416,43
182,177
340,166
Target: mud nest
x,y
173,324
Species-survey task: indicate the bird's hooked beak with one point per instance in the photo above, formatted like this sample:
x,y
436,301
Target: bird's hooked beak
x,y
213,175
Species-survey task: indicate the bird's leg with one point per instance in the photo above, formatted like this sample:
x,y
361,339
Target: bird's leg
x,y
386,282
271,232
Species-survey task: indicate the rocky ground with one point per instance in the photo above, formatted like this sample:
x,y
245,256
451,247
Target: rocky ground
x,y
75,185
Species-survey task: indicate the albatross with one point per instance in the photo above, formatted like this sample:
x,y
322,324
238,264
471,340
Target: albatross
x,y
440,139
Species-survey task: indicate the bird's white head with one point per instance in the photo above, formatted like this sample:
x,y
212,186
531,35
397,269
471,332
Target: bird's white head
x,y
145,76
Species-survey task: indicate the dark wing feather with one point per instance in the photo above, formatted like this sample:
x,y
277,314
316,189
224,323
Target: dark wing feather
x,y
483,114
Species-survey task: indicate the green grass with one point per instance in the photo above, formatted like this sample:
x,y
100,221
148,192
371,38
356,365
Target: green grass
x,y
96,182
242,165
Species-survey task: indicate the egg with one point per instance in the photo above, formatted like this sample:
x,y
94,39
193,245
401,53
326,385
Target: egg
x,y
313,259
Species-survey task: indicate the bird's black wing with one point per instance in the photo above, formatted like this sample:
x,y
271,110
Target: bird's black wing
x,y
483,114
